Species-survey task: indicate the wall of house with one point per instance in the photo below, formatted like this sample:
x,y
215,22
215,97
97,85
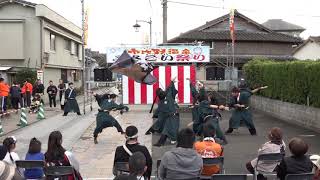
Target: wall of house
x,y
252,48
61,57
311,50
26,37
307,117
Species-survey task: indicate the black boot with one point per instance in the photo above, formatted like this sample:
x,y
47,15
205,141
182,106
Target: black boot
x,y
150,131
229,131
253,132
95,140
161,141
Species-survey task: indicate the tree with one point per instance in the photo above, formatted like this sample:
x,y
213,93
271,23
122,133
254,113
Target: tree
x,y
25,73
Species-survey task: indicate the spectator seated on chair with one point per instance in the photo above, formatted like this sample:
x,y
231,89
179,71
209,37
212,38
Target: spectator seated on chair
x,y
10,144
182,162
35,154
274,145
137,167
297,163
208,148
35,104
56,155
131,146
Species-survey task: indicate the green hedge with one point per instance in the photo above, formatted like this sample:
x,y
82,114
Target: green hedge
x,y
295,81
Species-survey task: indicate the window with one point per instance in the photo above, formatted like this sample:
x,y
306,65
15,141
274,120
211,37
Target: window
x,y
76,75
52,42
211,44
77,50
215,73
67,44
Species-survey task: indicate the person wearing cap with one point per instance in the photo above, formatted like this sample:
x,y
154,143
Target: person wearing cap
x,y
107,103
241,110
11,157
71,103
298,162
274,145
168,116
131,146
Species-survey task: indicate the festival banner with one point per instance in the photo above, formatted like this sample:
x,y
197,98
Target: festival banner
x,y
163,54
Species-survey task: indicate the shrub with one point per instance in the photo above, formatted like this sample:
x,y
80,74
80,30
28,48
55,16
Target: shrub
x,y
294,81
26,73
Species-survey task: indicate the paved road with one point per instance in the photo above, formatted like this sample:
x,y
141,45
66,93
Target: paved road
x,y
242,146
71,127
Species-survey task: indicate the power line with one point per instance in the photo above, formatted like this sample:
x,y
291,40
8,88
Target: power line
x,y
191,4
248,10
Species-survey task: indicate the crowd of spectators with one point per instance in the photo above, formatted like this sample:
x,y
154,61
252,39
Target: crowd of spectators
x,y
185,161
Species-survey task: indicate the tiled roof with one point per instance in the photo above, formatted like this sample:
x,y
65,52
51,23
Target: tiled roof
x,y
280,25
240,36
202,33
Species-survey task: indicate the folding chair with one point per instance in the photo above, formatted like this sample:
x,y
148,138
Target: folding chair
x,y
272,158
121,168
304,176
28,164
219,161
229,177
58,171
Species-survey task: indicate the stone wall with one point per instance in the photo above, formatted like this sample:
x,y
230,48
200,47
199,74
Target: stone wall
x,y
308,117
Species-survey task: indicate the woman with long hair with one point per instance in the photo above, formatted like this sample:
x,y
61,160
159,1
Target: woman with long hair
x,y
56,155
10,144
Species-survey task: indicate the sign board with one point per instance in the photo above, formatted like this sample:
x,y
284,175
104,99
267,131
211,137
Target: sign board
x,y
40,75
163,54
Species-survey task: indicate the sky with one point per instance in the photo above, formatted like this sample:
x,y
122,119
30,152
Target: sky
x,y
111,21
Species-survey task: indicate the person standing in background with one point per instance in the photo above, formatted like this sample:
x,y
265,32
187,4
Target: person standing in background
x,y
15,94
52,93
26,91
4,92
38,88
62,89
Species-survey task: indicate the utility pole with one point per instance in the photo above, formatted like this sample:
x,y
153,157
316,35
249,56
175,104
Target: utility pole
x,y
165,19
83,59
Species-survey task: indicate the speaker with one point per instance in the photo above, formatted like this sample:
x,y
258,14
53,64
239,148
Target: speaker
x,y
107,75
102,75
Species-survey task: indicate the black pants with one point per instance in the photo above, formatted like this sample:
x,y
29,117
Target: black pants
x,y
52,99
15,102
27,99
99,129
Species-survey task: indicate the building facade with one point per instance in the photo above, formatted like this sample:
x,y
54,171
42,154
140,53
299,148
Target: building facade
x,y
309,50
34,36
253,40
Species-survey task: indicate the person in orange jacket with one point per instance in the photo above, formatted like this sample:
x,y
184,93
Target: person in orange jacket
x,y
4,93
26,92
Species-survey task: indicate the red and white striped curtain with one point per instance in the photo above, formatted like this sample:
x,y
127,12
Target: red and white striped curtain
x,y
137,93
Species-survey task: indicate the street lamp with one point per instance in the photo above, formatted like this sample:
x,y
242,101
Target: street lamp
x,y
137,26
